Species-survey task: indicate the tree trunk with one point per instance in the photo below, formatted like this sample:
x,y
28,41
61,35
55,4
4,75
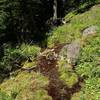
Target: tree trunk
x,y
55,10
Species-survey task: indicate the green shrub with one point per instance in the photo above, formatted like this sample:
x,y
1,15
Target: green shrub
x,y
29,50
14,56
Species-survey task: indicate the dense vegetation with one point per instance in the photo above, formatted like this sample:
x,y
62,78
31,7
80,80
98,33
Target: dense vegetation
x,y
26,21
34,43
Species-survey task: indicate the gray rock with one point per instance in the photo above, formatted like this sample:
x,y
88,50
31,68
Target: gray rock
x,y
90,30
71,52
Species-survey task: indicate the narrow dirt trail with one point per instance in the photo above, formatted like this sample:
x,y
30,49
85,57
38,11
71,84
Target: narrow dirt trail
x,y
56,88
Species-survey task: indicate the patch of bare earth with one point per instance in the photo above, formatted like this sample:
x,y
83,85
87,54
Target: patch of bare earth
x,y
56,88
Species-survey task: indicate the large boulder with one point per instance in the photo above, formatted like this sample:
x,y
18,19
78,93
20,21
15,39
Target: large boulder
x,y
70,52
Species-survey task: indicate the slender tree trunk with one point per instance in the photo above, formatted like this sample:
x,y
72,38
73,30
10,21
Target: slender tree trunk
x,y
55,10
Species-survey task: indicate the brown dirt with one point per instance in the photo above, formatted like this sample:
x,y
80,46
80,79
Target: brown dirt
x,y
56,88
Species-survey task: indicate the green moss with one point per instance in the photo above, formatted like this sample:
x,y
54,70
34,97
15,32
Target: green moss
x,y
66,74
36,95
76,96
23,82
29,64
69,79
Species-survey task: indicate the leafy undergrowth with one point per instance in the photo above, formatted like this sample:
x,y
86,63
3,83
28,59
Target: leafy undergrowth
x,y
89,68
15,58
57,79
73,29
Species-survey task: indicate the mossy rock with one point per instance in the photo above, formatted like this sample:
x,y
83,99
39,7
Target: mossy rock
x,y
71,52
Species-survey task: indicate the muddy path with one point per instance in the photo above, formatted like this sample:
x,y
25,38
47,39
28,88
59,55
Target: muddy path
x,y
56,88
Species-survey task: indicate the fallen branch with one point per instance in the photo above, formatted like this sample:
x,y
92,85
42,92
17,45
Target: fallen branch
x,y
34,68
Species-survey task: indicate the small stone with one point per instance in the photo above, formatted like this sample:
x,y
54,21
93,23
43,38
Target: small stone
x,y
49,62
90,30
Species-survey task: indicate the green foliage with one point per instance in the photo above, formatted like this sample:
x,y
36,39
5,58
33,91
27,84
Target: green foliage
x,y
22,20
73,30
29,50
88,67
89,58
33,85
2,21
13,56
91,89
4,96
